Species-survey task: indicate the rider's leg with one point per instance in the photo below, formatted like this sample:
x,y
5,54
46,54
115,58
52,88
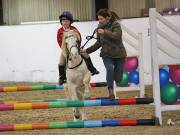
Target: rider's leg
x,y
62,69
89,64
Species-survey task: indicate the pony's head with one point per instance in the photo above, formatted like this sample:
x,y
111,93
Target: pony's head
x,y
70,44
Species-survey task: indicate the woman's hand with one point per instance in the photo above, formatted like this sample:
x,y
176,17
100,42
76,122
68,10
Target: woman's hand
x,y
100,31
82,50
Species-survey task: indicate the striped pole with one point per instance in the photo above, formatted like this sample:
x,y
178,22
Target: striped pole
x,y
42,87
77,103
31,88
45,100
77,124
98,84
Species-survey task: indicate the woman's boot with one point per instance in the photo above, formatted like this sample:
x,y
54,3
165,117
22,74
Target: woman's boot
x,y
111,93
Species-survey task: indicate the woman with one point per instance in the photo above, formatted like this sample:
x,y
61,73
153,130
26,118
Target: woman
x,y
66,19
113,53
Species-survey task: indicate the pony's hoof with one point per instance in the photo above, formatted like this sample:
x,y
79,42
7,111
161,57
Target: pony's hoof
x,y
84,117
76,117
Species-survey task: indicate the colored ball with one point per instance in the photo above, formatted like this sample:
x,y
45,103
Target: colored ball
x,y
161,66
179,92
169,94
124,80
166,68
175,74
134,77
131,64
163,76
1,88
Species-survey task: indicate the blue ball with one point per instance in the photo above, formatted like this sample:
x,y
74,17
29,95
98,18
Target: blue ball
x,y
163,76
134,77
178,87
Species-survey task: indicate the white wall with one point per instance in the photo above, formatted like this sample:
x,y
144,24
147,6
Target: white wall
x,y
31,53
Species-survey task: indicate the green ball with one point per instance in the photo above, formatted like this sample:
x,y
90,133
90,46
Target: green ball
x,y
124,80
169,94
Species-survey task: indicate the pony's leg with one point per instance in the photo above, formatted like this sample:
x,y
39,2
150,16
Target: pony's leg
x,y
74,96
87,93
70,96
84,114
67,94
80,92
86,82
77,114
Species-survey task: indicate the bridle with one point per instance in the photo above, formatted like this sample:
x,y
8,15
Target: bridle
x,y
94,32
69,53
90,37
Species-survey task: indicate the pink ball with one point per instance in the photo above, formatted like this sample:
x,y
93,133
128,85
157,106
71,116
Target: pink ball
x,y
131,64
174,72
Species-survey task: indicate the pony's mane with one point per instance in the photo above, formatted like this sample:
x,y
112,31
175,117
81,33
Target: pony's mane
x,y
65,36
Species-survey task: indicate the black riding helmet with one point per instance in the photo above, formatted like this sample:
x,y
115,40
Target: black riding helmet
x,y
66,15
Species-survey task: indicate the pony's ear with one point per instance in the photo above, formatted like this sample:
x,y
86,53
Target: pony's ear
x,y
77,34
64,45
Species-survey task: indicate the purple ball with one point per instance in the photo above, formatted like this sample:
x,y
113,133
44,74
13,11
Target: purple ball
x,y
131,64
175,74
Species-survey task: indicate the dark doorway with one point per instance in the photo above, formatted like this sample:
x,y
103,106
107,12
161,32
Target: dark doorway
x,y
101,4
1,13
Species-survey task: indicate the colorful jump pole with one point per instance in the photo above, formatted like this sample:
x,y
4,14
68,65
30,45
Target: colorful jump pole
x,y
98,84
42,87
31,88
77,124
45,100
78,103
51,100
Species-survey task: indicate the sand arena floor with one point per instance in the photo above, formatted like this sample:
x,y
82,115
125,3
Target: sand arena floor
x,y
94,113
